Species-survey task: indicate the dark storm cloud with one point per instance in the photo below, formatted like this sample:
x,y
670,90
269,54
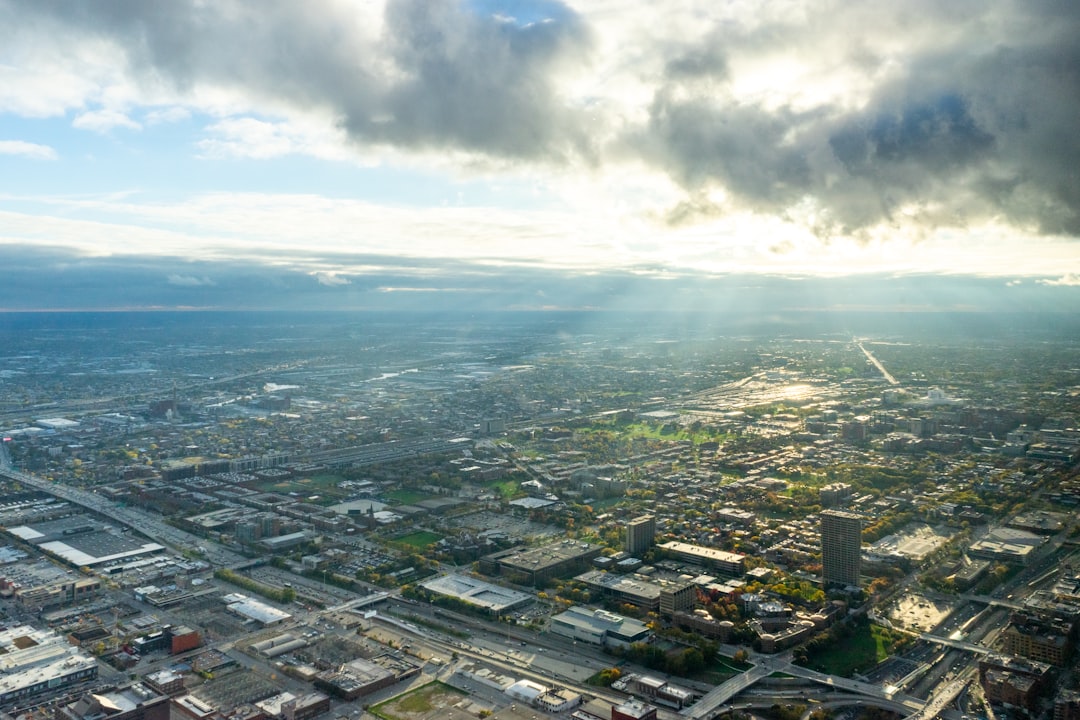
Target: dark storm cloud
x,y
983,126
971,112
476,83
439,75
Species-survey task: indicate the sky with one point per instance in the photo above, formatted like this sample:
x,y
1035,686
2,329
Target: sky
x,y
529,154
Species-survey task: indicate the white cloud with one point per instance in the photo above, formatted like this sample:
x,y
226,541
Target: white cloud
x,y
103,121
189,281
334,239
167,115
330,279
27,149
248,137
1068,279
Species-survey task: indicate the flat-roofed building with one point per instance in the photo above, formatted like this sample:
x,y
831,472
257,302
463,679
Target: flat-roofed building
x,y
726,562
599,627
633,710
35,662
131,702
491,598
1045,640
623,588
834,494
533,566
677,598
355,679
1008,544
256,610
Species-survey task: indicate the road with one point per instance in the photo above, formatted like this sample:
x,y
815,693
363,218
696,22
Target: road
x,y
877,363
144,523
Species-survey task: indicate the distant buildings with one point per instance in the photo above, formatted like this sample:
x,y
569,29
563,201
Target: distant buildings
x,y
834,494
841,547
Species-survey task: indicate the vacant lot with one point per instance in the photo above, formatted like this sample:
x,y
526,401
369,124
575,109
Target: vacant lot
x,y
428,701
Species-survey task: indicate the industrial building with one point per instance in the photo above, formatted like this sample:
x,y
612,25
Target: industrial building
x,y
83,542
251,609
137,701
36,661
1008,544
42,585
491,598
361,677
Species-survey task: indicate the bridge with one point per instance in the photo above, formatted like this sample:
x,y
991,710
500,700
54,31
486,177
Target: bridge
x,y
994,602
955,644
712,704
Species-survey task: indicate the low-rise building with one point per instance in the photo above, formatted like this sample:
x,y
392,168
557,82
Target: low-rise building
x,y
131,702
599,627
35,662
1046,640
726,562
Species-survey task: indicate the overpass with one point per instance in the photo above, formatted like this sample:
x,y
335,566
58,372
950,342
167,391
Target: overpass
x,y
712,703
993,602
955,644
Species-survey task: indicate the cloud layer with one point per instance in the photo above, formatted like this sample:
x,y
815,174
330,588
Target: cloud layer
x,y
854,121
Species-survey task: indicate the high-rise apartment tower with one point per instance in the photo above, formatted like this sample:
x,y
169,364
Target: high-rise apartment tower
x,y
640,533
841,547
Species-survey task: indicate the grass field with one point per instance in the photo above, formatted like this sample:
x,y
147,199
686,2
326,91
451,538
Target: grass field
x,y
506,489
419,539
868,646
418,703
722,669
406,497
325,486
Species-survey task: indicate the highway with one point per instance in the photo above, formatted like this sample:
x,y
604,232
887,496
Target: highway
x,y
144,523
877,363
714,700
713,703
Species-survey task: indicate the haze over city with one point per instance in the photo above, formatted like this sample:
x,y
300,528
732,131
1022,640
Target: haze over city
x,y
521,359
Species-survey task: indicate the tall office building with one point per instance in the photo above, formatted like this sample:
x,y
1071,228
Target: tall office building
x,y
640,533
841,547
